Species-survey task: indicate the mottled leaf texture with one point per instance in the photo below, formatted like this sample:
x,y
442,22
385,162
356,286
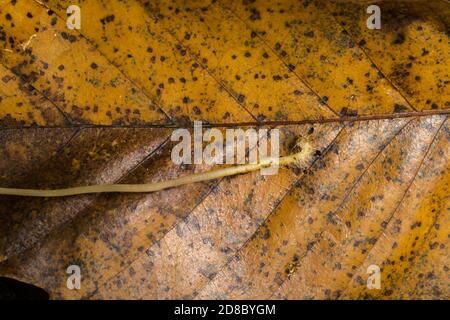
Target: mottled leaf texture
x,y
98,106
136,62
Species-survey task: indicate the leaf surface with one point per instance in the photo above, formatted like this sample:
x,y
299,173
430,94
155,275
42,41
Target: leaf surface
x,y
224,62
378,194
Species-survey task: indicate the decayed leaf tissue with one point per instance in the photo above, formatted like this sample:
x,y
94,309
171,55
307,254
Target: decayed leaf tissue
x,y
97,103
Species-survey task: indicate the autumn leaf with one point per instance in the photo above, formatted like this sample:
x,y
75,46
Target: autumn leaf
x,y
98,106
221,62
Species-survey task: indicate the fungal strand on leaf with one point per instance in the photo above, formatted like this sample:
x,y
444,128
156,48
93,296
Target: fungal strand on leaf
x,y
299,158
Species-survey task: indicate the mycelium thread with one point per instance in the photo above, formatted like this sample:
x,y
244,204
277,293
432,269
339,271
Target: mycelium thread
x,y
297,159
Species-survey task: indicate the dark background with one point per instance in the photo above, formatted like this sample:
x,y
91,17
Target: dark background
x,y
11,289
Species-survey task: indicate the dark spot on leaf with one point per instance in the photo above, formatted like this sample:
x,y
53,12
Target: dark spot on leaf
x,y
400,38
398,108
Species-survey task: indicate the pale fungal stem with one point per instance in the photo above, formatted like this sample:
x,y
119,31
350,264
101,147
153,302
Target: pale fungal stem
x,y
297,159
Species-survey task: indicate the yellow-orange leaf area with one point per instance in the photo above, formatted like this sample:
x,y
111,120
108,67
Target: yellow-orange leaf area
x,y
375,193
172,62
